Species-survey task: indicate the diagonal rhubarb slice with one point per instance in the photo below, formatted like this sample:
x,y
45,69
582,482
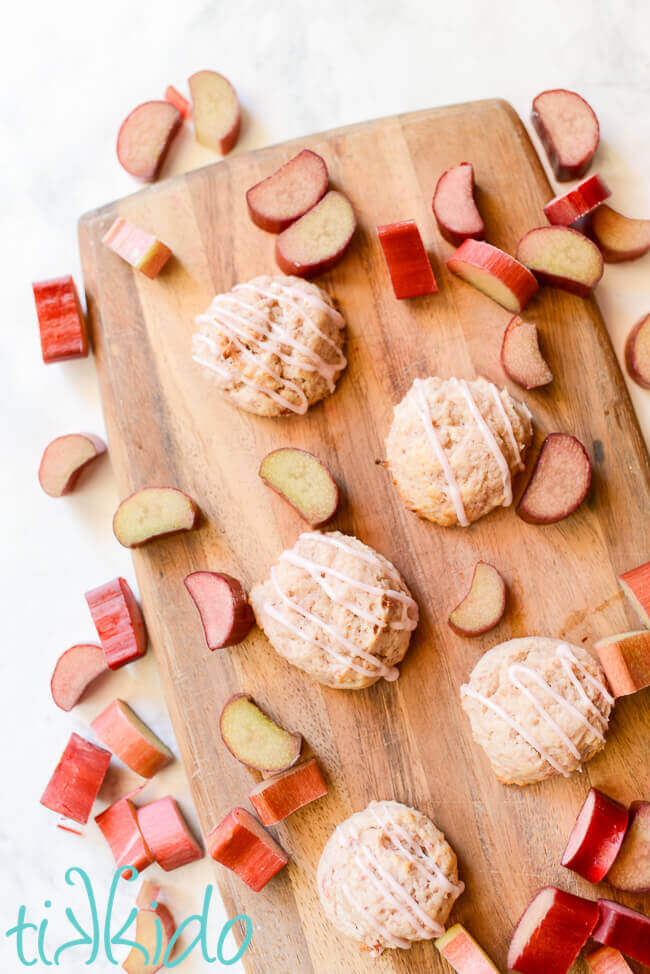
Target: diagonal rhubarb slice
x,y
407,260
562,257
495,273
619,237
459,949
241,844
607,961
636,584
118,621
596,837
631,871
75,670
637,353
454,206
274,799
167,835
135,744
140,249
568,129
77,778
625,659
551,933
119,825
565,209
61,321
624,929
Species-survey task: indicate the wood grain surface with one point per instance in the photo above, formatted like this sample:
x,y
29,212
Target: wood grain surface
x,y
410,740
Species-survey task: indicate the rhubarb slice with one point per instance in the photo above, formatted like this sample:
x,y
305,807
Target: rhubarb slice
x,y
607,961
63,460
135,744
637,353
454,206
243,846
118,621
77,778
318,240
619,237
148,894
459,949
636,585
145,136
562,257
565,209
254,739
286,195
222,604
495,273
483,606
551,933
167,835
624,929
407,261
74,672
274,799
569,131
631,871
303,481
154,930
180,102
119,826
597,837
559,481
215,107
61,321
521,358
154,513
625,659
140,249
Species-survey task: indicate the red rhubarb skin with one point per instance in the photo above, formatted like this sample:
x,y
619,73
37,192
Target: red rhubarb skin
x,y
180,103
238,848
115,730
517,278
407,261
77,778
451,235
118,621
60,320
167,835
288,792
562,172
602,840
577,202
119,826
624,929
558,938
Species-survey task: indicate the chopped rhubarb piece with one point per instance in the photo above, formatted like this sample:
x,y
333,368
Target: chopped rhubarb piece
x,y
551,933
121,730
256,740
118,621
637,353
596,838
77,778
454,206
140,249
625,659
521,358
559,481
636,585
483,606
562,257
565,209
318,240
75,670
407,261
145,136
154,512
222,603
569,131
459,949
625,930
60,320
154,930
242,845
64,459
277,797
607,961
119,826
166,833
495,273
286,195
619,237
148,894
180,103
303,481
217,116
631,871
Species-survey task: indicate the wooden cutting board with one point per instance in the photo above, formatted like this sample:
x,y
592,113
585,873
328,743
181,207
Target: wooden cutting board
x,y
410,740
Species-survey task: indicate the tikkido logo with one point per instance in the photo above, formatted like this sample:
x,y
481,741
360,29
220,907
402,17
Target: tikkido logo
x,y
31,938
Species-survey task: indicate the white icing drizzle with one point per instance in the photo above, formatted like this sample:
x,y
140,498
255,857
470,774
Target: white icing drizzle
x,y
424,412
390,939
509,430
568,661
490,440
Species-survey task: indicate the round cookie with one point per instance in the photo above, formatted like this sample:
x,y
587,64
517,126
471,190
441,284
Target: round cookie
x,y
454,446
336,609
538,707
388,877
273,346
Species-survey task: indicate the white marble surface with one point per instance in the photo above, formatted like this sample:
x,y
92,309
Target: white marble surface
x,y
71,72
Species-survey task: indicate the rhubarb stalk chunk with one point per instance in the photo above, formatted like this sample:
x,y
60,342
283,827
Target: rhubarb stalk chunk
x,y
154,930
562,257
119,826
596,838
521,358
495,273
180,102
274,799
242,845
619,237
626,660
140,249
75,670
551,933
637,353
118,621
64,459
624,929
454,207
569,131
631,871
60,320
166,833
607,961
288,193
636,585
577,202
407,260
77,778
459,949
121,730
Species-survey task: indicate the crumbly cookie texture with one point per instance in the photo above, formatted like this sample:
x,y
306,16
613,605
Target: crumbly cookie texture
x,y
273,346
538,707
336,609
454,446
388,877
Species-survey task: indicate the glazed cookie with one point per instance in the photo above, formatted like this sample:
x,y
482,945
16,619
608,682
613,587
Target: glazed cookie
x,y
338,610
454,447
538,707
388,877
273,346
